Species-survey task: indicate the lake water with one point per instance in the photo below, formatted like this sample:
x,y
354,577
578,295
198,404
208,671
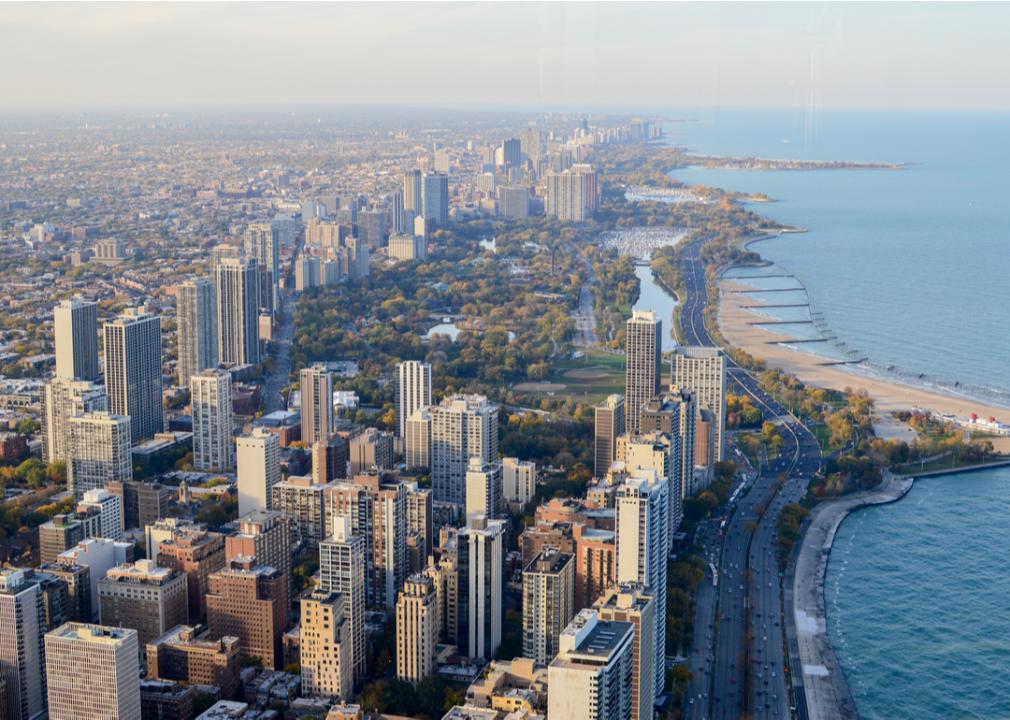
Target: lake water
x,y
653,297
916,597
907,268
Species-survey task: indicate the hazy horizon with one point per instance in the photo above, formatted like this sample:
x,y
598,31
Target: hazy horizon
x,y
498,56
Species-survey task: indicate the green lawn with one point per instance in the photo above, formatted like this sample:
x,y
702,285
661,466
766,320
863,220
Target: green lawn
x,y
603,374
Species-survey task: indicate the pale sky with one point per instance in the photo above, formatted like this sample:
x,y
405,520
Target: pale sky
x,y
518,55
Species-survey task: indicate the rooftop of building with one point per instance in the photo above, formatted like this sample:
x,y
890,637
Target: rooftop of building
x,y
87,632
142,571
549,560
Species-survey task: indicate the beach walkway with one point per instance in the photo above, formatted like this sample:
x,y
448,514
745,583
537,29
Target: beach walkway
x,y
827,693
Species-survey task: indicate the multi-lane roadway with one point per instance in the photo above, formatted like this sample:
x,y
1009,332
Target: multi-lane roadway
x,y
739,664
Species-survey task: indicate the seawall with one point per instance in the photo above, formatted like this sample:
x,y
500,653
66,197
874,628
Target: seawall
x,y
826,691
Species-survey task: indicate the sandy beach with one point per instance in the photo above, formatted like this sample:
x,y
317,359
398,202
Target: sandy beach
x,y
888,395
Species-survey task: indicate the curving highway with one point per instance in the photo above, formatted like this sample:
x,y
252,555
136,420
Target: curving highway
x,y
740,664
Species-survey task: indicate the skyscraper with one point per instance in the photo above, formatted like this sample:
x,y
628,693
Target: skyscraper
x,y
210,393
262,241
342,570
413,391
22,661
675,413
196,327
633,603
300,500
484,488
316,385
417,439
265,536
591,677
98,451
195,553
91,672
566,196
609,426
518,479
644,355
376,509
514,202
238,306
258,457
416,629
143,596
248,600
133,371
548,603
329,460
412,194
325,646
75,326
702,370
511,154
641,509
63,399
435,187
462,427
481,555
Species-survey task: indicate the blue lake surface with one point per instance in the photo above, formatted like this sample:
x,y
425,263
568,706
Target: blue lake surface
x,y
916,597
908,268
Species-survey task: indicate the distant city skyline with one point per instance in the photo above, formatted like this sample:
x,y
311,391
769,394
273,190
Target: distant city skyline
x,y
893,55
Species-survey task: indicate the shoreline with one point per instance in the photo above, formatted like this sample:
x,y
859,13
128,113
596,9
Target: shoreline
x,y
737,325
826,690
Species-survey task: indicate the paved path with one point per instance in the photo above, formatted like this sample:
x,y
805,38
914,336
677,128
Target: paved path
x,y
827,693
585,314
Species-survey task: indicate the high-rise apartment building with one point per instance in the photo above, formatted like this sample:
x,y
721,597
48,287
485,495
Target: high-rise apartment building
x,y
644,355
702,370
412,193
416,629
325,646
58,535
641,507
590,679
590,186
22,658
133,371
179,655
62,400
99,555
484,488
264,536
675,414
417,439
370,449
548,603
462,427
566,198
657,452
376,509
633,603
435,201
413,391
419,521
514,202
511,152
258,458
519,480
481,556
107,510
608,427
210,396
329,459
75,327
238,304
196,327
300,500
316,385
248,600
342,570
91,672
98,451
143,596
196,553
262,242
